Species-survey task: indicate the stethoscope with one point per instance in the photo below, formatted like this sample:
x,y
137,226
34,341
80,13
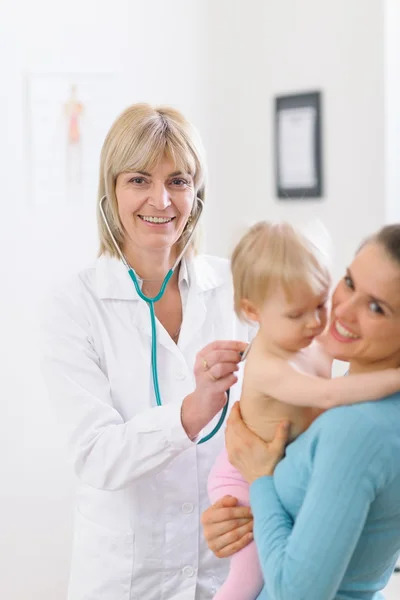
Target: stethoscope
x,y
150,303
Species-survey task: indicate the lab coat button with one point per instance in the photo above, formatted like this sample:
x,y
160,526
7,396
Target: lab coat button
x,y
187,508
180,375
188,571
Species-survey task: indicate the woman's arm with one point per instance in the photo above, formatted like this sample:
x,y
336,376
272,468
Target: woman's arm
x,y
308,559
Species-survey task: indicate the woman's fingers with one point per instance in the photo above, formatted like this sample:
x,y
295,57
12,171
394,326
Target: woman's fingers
x,y
281,438
235,419
227,527
225,509
237,429
215,531
231,549
229,543
247,452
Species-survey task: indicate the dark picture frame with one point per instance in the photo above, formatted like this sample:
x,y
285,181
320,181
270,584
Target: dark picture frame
x,y
298,146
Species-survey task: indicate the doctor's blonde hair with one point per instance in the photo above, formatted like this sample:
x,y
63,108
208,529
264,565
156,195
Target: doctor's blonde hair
x,y
272,254
139,138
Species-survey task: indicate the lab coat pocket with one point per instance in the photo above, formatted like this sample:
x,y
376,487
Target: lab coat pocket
x,y
102,562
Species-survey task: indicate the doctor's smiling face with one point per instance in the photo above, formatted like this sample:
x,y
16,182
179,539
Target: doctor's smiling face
x,y
154,205
152,168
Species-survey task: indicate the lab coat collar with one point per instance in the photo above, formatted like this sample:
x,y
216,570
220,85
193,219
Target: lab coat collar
x,y
113,281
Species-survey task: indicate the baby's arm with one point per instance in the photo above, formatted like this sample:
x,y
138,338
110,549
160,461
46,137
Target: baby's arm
x,y
282,381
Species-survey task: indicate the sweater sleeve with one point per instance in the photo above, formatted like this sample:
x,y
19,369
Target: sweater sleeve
x,y
307,559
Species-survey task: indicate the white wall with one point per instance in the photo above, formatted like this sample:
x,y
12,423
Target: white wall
x,y
221,62
154,46
285,47
392,112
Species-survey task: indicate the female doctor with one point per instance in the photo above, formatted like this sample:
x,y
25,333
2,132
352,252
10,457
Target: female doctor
x,y
141,472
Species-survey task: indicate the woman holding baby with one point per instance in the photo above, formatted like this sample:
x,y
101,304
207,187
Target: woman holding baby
x,y
327,516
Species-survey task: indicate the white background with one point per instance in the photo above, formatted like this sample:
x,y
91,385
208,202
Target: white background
x,y
221,62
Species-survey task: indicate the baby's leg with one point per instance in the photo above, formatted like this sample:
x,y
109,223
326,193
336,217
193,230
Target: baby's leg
x,y
244,581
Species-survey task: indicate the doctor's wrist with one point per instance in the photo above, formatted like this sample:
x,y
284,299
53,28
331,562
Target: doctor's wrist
x,y
193,416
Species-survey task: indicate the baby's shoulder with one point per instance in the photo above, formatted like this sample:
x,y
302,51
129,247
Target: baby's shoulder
x,y
260,359
262,368
315,361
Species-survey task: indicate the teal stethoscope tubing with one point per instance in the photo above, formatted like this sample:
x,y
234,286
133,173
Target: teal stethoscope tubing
x,y
150,303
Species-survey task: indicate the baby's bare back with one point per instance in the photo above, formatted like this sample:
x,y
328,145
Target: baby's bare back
x,y
261,412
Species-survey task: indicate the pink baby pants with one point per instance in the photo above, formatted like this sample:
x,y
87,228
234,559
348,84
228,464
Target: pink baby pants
x,y
245,579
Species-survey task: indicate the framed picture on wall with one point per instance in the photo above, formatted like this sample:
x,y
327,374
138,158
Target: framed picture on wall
x,y
298,146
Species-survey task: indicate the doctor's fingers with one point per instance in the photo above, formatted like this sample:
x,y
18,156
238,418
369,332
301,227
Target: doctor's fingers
x,y
230,345
215,369
219,356
221,372
223,369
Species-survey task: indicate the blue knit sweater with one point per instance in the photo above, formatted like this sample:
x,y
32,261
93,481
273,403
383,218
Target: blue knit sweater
x,y
327,525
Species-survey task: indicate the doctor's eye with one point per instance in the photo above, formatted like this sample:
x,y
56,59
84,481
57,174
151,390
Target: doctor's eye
x,y
137,180
180,182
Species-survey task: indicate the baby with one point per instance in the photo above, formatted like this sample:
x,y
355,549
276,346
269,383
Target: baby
x,y
282,283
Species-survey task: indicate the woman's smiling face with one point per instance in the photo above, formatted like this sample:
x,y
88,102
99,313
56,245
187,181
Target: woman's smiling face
x,y
365,320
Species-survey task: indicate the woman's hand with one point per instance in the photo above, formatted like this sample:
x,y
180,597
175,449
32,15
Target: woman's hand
x,y
214,370
251,456
227,527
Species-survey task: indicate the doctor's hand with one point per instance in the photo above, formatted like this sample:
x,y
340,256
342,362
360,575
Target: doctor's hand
x,y
214,370
227,527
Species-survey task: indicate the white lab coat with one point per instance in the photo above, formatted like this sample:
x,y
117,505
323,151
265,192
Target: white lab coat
x,y
141,481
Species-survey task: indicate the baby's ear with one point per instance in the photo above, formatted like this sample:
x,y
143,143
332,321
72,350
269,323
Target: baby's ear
x,y
249,310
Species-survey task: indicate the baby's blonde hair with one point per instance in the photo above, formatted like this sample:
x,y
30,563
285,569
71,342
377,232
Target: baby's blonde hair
x,y
275,254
